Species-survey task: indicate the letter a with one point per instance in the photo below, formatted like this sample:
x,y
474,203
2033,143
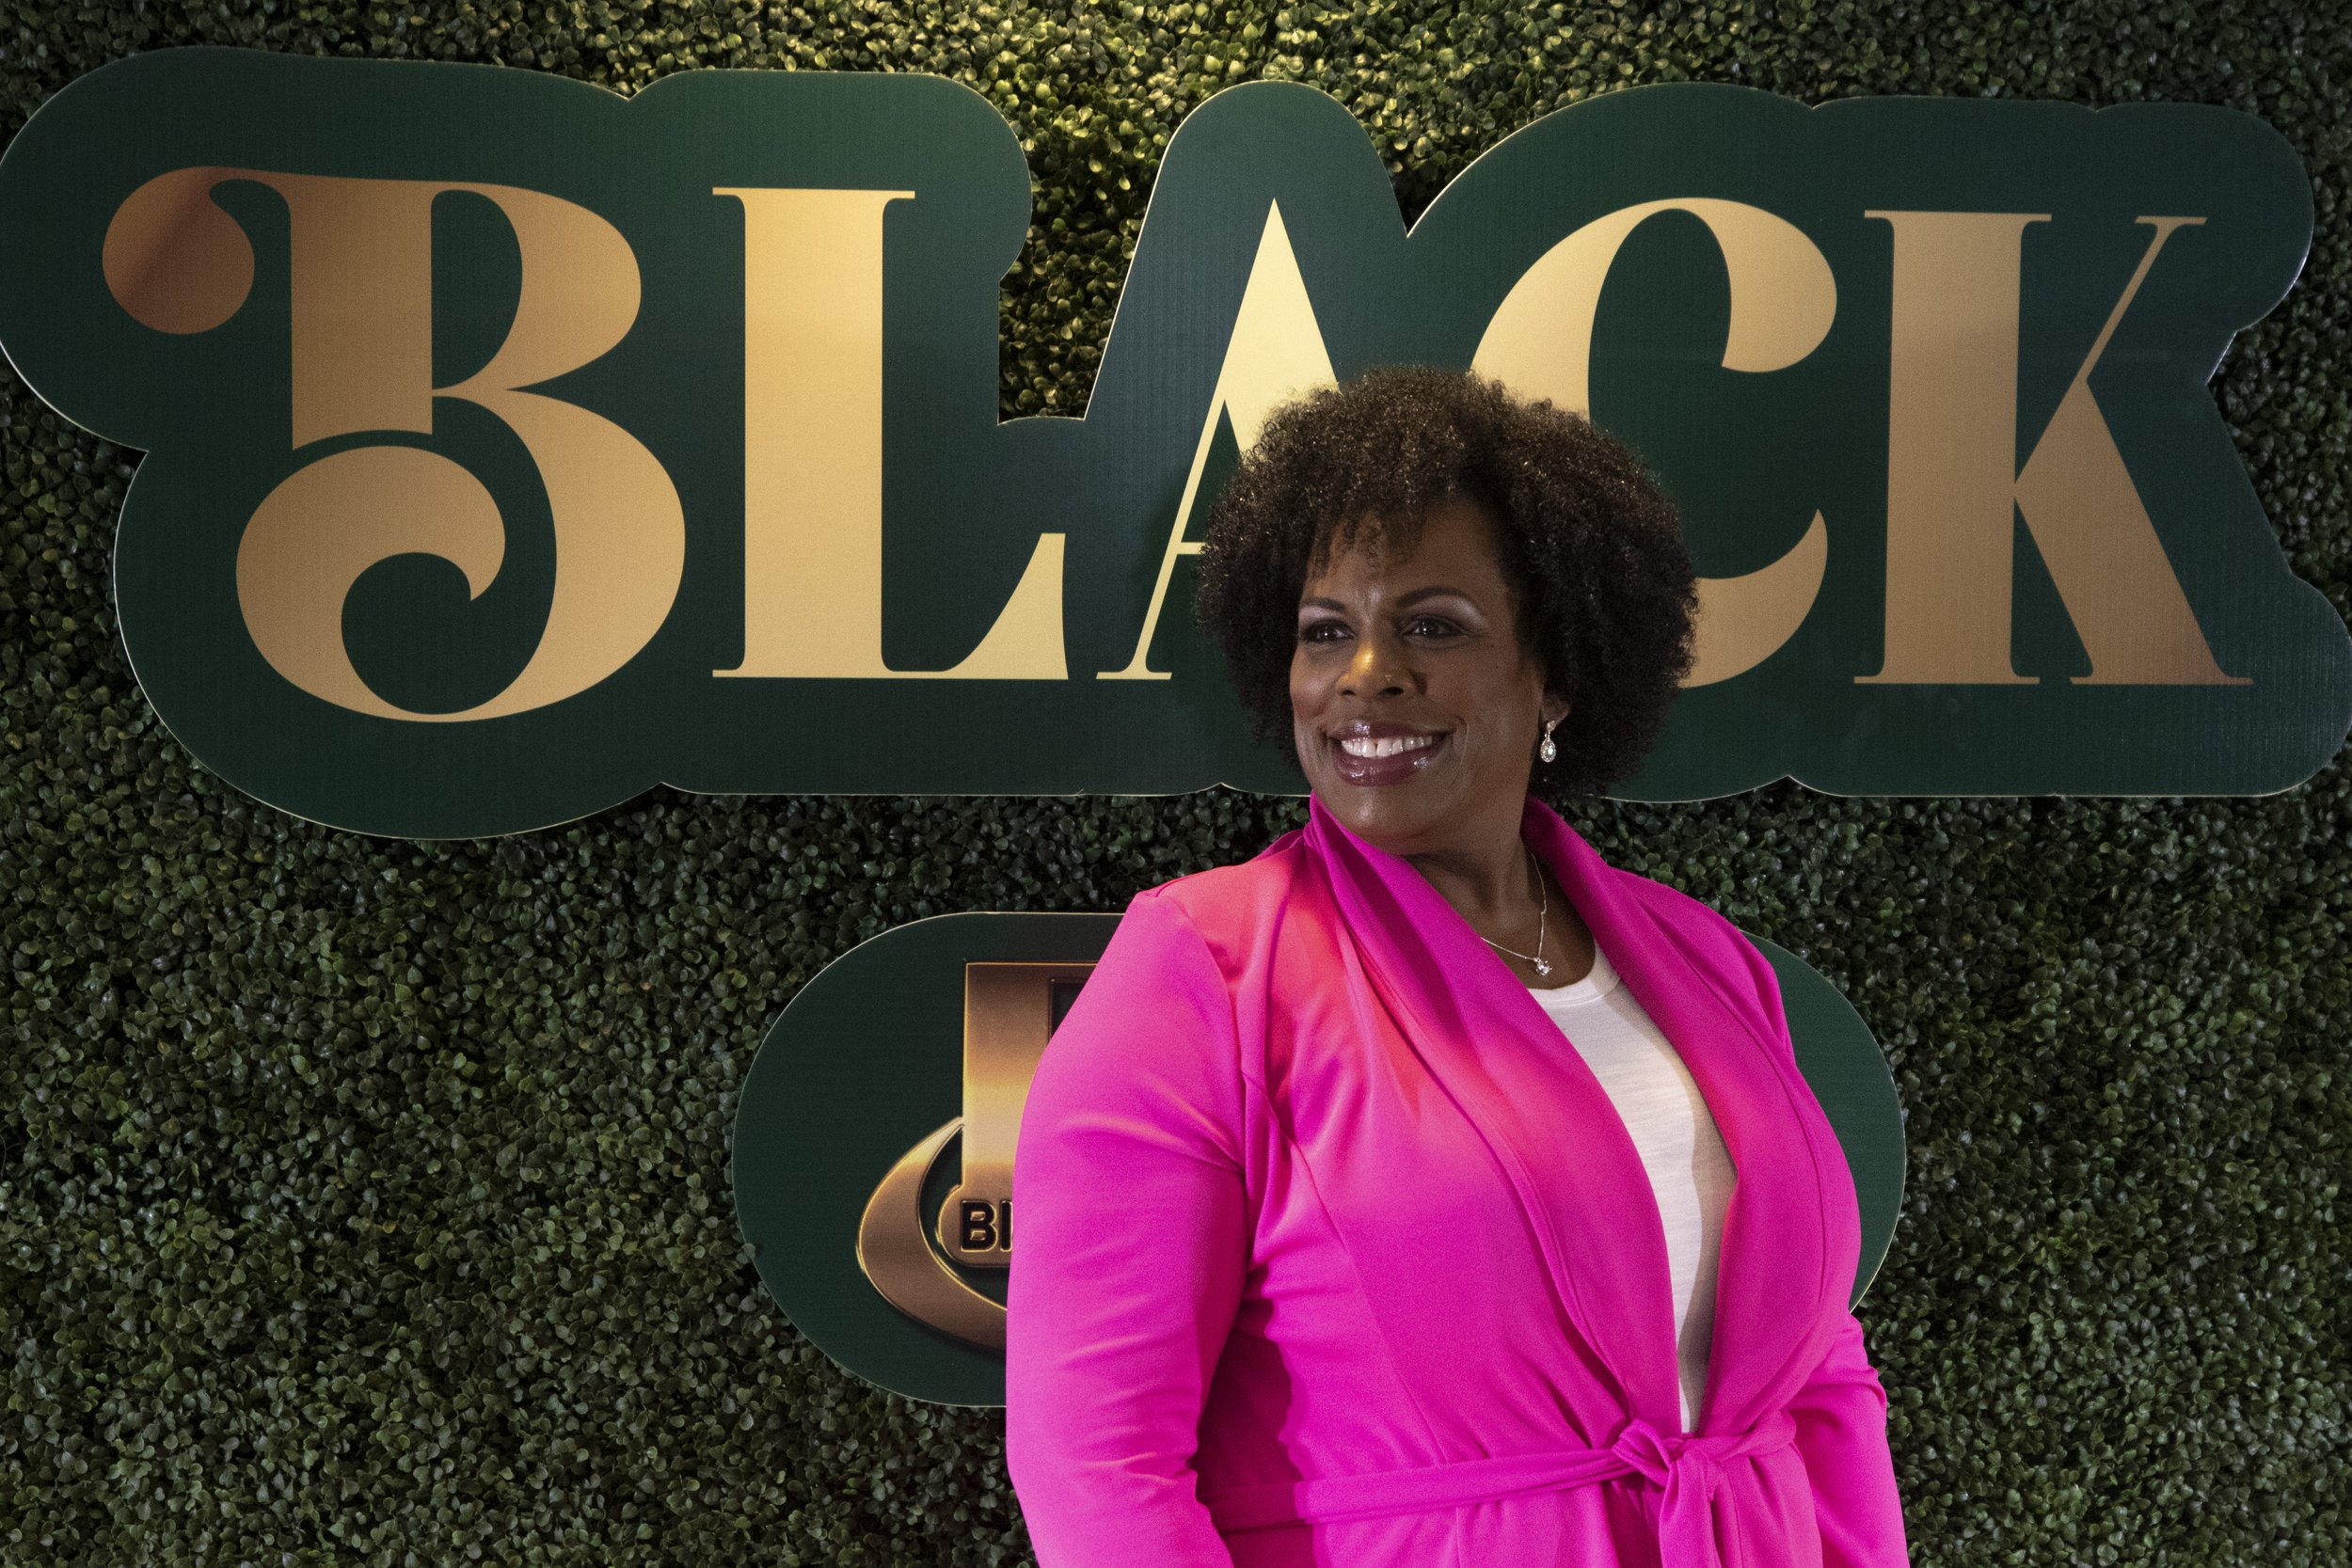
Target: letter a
x,y
1274,353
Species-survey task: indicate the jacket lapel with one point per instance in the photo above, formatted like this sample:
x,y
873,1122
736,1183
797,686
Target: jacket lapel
x,y
1499,1057
1775,1265
1482,1038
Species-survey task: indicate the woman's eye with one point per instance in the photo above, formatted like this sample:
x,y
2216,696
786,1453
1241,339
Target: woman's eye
x,y
1321,631
1429,625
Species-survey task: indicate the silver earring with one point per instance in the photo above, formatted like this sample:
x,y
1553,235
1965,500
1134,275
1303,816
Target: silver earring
x,y
1547,750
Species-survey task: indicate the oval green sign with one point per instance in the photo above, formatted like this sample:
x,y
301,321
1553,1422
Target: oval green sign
x,y
873,1141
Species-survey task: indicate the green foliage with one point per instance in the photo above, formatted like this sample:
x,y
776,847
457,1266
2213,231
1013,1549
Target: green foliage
x,y
366,1201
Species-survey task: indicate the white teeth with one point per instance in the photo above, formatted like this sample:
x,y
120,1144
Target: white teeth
x,y
1362,746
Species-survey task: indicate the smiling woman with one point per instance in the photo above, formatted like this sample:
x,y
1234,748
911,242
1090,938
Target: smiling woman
x,y
1378,1194
1409,669
1585,543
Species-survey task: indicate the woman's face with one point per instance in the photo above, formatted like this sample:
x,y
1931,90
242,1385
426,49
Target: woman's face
x,y
1415,709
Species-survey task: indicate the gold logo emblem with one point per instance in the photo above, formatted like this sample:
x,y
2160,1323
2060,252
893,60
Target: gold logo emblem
x,y
916,1258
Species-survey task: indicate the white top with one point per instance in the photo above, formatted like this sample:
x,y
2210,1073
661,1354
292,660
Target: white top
x,y
1690,1172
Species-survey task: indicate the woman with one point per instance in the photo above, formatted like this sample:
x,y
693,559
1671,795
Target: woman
x,y
1423,1191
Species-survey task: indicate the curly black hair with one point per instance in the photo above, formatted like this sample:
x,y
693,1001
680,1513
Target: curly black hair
x,y
1590,547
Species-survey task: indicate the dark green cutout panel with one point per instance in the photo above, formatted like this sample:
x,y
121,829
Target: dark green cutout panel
x,y
1753,443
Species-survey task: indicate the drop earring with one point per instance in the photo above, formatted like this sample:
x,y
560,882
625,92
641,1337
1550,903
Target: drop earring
x,y
1547,750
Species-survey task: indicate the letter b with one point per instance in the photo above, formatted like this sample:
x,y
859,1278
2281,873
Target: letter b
x,y
361,331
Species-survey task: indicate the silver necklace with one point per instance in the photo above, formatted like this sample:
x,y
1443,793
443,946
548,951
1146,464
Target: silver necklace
x,y
1542,910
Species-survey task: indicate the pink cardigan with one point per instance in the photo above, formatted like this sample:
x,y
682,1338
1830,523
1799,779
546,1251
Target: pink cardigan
x,y
1331,1253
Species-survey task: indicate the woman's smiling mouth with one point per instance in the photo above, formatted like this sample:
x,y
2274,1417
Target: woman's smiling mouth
x,y
1386,757
1384,746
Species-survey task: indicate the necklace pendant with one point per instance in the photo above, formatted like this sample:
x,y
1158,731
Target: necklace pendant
x,y
1541,967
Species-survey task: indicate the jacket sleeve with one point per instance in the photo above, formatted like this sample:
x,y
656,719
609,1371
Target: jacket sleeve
x,y
1132,1244
1841,1431
1840,1411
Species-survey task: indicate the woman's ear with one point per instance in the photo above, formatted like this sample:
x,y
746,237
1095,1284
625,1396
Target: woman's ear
x,y
1554,709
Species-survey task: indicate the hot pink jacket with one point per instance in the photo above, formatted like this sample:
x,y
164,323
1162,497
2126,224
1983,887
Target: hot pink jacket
x,y
1333,1253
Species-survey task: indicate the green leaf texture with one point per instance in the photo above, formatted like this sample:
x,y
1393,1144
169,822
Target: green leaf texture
x,y
366,1202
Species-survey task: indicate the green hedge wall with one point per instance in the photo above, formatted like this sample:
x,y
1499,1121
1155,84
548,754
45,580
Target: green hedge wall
x,y
366,1201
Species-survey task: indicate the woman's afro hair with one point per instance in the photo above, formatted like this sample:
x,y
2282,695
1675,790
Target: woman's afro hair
x,y
1590,546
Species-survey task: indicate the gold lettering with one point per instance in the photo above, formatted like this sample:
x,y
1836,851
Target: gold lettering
x,y
361,331
1783,299
1274,353
813,457
1954,488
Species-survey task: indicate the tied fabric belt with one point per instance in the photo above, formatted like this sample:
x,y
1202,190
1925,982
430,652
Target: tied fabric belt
x,y
1690,1469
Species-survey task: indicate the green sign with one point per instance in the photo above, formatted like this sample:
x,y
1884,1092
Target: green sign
x,y
514,447
873,1142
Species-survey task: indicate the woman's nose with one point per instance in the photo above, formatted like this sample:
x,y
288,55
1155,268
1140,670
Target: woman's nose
x,y
1376,670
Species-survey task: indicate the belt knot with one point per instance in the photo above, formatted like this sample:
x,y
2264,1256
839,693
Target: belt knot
x,y
1690,1470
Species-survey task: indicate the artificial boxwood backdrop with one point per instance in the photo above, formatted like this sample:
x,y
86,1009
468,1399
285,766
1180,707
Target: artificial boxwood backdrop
x,y
366,1201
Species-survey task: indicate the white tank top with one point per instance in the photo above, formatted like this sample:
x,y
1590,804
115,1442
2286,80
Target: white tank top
x,y
1690,1172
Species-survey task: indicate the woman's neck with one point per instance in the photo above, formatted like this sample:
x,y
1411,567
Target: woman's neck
x,y
1492,885
1497,885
